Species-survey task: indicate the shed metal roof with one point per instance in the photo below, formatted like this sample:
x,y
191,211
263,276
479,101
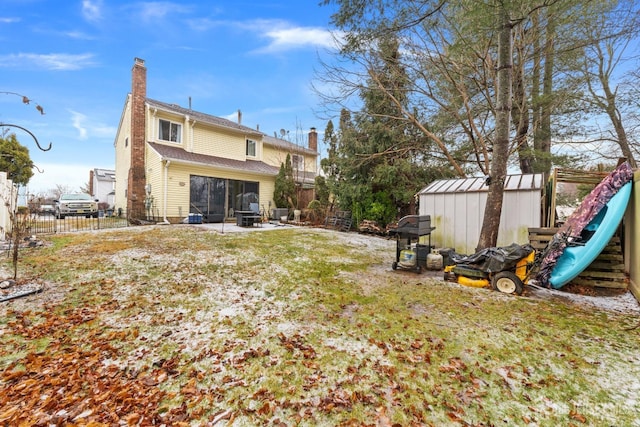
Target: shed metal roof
x,y
526,182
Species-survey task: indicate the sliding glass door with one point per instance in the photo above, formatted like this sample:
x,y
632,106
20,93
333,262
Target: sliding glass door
x,y
207,196
217,198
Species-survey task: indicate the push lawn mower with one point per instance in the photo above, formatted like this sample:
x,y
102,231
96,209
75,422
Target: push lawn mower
x,y
505,269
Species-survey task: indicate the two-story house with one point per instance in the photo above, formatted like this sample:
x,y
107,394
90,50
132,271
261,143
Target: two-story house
x,y
172,161
102,186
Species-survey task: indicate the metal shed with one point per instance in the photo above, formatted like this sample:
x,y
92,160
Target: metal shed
x,y
457,207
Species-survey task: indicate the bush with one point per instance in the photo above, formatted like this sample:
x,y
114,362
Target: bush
x,y
315,211
381,209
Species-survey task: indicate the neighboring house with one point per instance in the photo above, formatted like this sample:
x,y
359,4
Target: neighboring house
x,y
172,161
102,186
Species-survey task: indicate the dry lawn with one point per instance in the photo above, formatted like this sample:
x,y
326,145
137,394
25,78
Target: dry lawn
x,y
182,325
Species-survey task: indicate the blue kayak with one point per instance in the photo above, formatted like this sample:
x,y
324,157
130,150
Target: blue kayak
x,y
595,237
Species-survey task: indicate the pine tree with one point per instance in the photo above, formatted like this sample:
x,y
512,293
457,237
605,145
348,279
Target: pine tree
x,y
15,160
284,193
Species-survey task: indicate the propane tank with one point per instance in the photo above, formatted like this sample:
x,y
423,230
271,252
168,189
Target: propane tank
x,y
408,257
434,260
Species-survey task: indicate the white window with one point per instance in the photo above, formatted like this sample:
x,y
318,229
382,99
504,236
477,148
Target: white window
x,y
297,162
169,131
251,148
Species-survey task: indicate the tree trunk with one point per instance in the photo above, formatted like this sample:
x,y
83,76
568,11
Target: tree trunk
x,y
544,154
520,112
493,208
536,102
624,144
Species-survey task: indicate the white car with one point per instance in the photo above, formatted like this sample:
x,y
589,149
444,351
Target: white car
x,y
76,204
47,209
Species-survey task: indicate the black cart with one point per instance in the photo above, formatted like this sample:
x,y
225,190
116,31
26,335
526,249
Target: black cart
x,y
410,229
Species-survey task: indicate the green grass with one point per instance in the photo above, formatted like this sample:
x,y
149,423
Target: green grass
x,y
312,328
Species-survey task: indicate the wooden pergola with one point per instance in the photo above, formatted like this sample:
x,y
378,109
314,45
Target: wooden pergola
x,y
573,176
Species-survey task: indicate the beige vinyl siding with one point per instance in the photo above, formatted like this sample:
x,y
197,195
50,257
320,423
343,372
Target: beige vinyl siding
x,y
310,163
275,156
267,188
154,171
123,158
177,191
220,143
179,185
153,125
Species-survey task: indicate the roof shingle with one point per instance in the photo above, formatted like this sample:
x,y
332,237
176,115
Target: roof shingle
x,y
202,117
180,155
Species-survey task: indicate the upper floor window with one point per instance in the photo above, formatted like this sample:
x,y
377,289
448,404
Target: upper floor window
x,y
170,131
297,162
251,148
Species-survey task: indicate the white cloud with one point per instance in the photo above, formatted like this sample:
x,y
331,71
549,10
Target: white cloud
x,y
151,12
78,35
284,36
86,129
77,120
92,10
52,61
288,38
9,20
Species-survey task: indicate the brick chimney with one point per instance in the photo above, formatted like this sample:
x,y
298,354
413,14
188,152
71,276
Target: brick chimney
x,y
313,140
136,181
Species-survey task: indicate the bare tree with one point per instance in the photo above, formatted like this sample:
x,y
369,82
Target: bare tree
x,y
475,105
461,79
59,190
609,37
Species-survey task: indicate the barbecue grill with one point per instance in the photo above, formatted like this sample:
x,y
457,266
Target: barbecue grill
x,y
408,248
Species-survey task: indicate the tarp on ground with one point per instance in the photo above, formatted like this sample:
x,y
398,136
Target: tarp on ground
x,y
494,260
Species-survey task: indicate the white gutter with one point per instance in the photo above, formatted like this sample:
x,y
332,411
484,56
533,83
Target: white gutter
x,y
166,191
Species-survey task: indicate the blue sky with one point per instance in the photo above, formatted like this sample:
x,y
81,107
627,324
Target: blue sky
x,y
74,59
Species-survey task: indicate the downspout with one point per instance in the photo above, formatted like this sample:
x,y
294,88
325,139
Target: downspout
x,y
166,191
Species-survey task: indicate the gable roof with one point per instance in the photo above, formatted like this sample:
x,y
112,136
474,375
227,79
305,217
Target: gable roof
x,y
287,145
230,125
104,174
202,117
179,155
